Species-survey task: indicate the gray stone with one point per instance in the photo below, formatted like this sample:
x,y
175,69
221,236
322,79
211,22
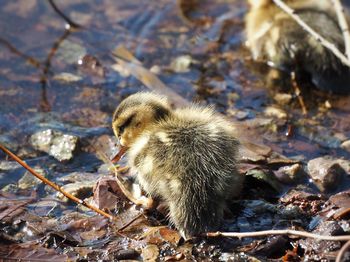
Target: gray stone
x,y
80,190
275,112
78,177
8,165
325,172
30,181
55,143
346,145
283,98
290,174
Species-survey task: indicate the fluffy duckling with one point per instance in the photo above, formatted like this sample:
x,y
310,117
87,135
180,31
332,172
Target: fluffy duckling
x,y
186,157
274,36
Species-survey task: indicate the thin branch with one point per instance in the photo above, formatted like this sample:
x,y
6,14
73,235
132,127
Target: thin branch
x,y
55,186
343,25
65,18
277,232
342,252
14,50
330,46
297,92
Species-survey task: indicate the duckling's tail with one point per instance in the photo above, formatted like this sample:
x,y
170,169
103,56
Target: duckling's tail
x,y
196,212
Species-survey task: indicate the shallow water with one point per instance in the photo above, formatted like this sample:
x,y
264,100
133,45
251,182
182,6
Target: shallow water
x,y
35,49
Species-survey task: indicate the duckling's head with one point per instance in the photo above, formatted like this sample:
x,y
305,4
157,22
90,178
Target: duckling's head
x,y
137,113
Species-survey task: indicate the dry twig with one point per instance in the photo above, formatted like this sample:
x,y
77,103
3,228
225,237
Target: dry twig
x,y
343,25
297,92
342,251
64,17
55,186
277,232
330,46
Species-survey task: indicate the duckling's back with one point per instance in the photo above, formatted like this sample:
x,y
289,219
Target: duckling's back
x,y
189,161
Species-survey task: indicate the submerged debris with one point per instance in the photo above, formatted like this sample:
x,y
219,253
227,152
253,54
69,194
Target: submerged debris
x,y
30,181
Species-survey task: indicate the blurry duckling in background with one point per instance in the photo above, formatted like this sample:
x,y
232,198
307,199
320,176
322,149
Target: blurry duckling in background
x,y
186,157
274,37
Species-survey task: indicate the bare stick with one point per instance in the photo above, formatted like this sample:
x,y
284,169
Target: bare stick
x,y
65,18
298,93
277,232
330,46
55,186
342,252
343,25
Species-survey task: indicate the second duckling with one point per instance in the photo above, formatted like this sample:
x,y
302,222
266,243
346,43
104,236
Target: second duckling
x,y
274,36
186,157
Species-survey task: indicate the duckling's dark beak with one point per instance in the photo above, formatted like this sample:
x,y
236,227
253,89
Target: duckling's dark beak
x,y
120,154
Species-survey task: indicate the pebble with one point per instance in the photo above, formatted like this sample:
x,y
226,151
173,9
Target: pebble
x,y
67,77
181,64
80,190
346,145
290,174
275,112
326,172
57,144
30,181
283,98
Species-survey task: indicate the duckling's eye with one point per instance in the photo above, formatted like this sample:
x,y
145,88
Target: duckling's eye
x,y
127,122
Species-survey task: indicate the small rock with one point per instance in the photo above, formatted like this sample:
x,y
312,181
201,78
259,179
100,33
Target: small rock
x,y
290,174
127,254
80,190
325,228
10,188
346,145
121,70
55,143
67,77
150,253
253,152
78,177
259,122
275,112
8,165
291,212
241,114
325,172
156,69
181,64
9,143
70,52
308,203
283,98
30,181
